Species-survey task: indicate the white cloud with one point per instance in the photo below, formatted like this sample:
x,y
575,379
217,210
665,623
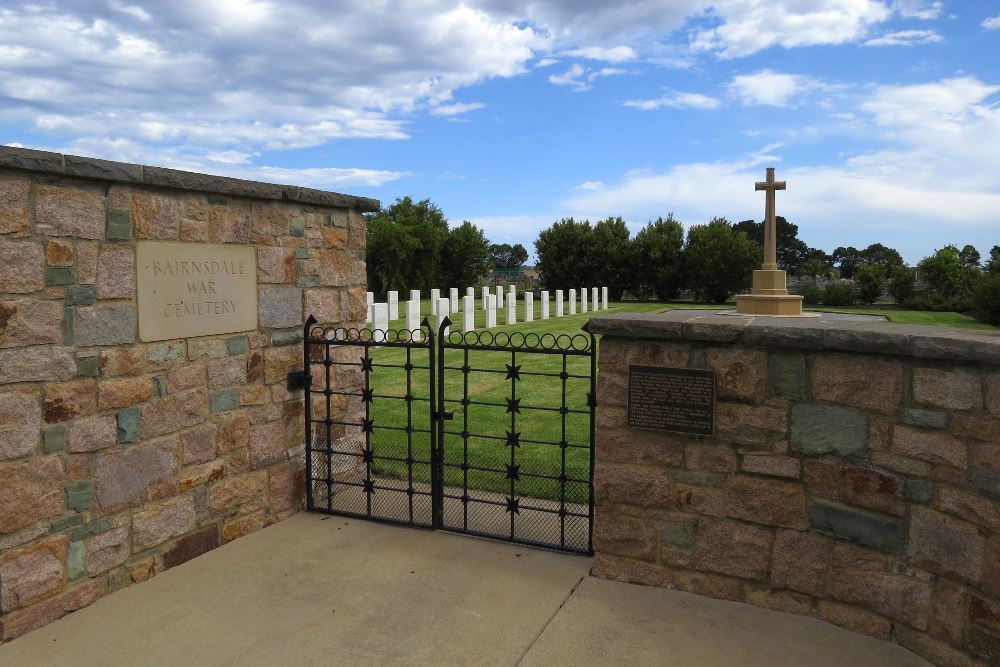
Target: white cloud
x,y
580,77
905,38
590,186
929,173
919,9
770,88
749,27
992,23
616,54
458,108
676,101
546,62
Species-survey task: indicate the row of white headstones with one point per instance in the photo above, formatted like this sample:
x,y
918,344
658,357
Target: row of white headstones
x,y
380,314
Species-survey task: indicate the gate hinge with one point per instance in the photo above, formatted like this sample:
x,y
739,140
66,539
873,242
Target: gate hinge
x,y
298,380
444,416
591,399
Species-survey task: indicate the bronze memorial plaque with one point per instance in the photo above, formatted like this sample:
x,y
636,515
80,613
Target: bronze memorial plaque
x,y
681,400
195,289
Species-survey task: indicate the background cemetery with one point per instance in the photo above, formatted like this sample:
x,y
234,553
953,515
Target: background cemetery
x,y
410,247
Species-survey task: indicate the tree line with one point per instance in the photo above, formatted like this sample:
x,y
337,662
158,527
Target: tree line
x,y
410,246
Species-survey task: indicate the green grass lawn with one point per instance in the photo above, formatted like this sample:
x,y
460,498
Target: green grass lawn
x,y
486,418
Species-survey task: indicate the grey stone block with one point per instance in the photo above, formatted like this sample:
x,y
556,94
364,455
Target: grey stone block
x,y
236,345
119,225
81,295
336,219
918,490
280,307
104,325
75,567
31,160
187,180
128,424
307,281
54,439
677,535
89,367
80,494
333,199
221,401
928,418
868,528
297,227
699,478
286,337
106,170
821,429
59,275
786,374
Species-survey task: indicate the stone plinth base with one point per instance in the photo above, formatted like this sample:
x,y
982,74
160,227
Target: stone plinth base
x,y
775,305
770,281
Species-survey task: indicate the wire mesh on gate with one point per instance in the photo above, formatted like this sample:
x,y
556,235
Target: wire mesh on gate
x,y
480,432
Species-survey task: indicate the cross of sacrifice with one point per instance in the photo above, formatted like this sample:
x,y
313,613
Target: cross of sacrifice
x,y
770,225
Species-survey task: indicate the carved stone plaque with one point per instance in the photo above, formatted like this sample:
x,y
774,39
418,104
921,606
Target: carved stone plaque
x,y
681,400
195,289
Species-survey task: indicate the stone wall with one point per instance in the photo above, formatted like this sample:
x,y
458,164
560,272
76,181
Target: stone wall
x,y
854,475
119,459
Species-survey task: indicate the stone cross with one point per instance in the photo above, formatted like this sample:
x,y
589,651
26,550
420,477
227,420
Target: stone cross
x,y
770,186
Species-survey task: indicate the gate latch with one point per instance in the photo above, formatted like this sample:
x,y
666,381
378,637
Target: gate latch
x,y
444,416
298,380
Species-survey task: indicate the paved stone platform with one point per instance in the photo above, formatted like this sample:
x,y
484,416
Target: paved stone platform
x,y
316,590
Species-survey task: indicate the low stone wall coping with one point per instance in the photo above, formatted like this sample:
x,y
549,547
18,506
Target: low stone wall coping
x,y
909,340
107,170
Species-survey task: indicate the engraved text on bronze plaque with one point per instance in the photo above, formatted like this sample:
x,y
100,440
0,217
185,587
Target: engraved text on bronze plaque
x,y
681,400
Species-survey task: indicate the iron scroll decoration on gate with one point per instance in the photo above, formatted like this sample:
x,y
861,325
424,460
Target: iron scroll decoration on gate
x,y
405,450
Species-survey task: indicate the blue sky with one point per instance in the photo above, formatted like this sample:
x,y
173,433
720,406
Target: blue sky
x,y
882,115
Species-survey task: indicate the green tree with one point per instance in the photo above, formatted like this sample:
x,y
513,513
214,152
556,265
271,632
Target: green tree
x,y
847,260
883,256
814,267
986,299
970,256
948,274
902,283
405,241
564,255
611,255
465,256
659,258
993,263
507,256
719,260
792,251
869,280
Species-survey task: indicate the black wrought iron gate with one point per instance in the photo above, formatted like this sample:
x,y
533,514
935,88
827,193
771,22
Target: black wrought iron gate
x,y
481,432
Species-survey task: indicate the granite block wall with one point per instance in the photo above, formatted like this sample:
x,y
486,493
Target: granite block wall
x,y
119,459
857,482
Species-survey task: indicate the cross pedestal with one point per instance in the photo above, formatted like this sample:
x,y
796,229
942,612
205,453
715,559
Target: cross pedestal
x,y
770,294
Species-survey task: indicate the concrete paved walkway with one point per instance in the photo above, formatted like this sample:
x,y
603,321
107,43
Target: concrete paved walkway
x,y
329,591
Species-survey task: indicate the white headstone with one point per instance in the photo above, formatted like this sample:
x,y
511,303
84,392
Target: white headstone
x,y
468,312
545,305
486,298
583,300
511,311
470,291
442,312
559,303
572,302
393,299
499,296
414,295
529,306
435,297
594,303
370,296
453,300
512,291
380,321
604,297
413,319
491,311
